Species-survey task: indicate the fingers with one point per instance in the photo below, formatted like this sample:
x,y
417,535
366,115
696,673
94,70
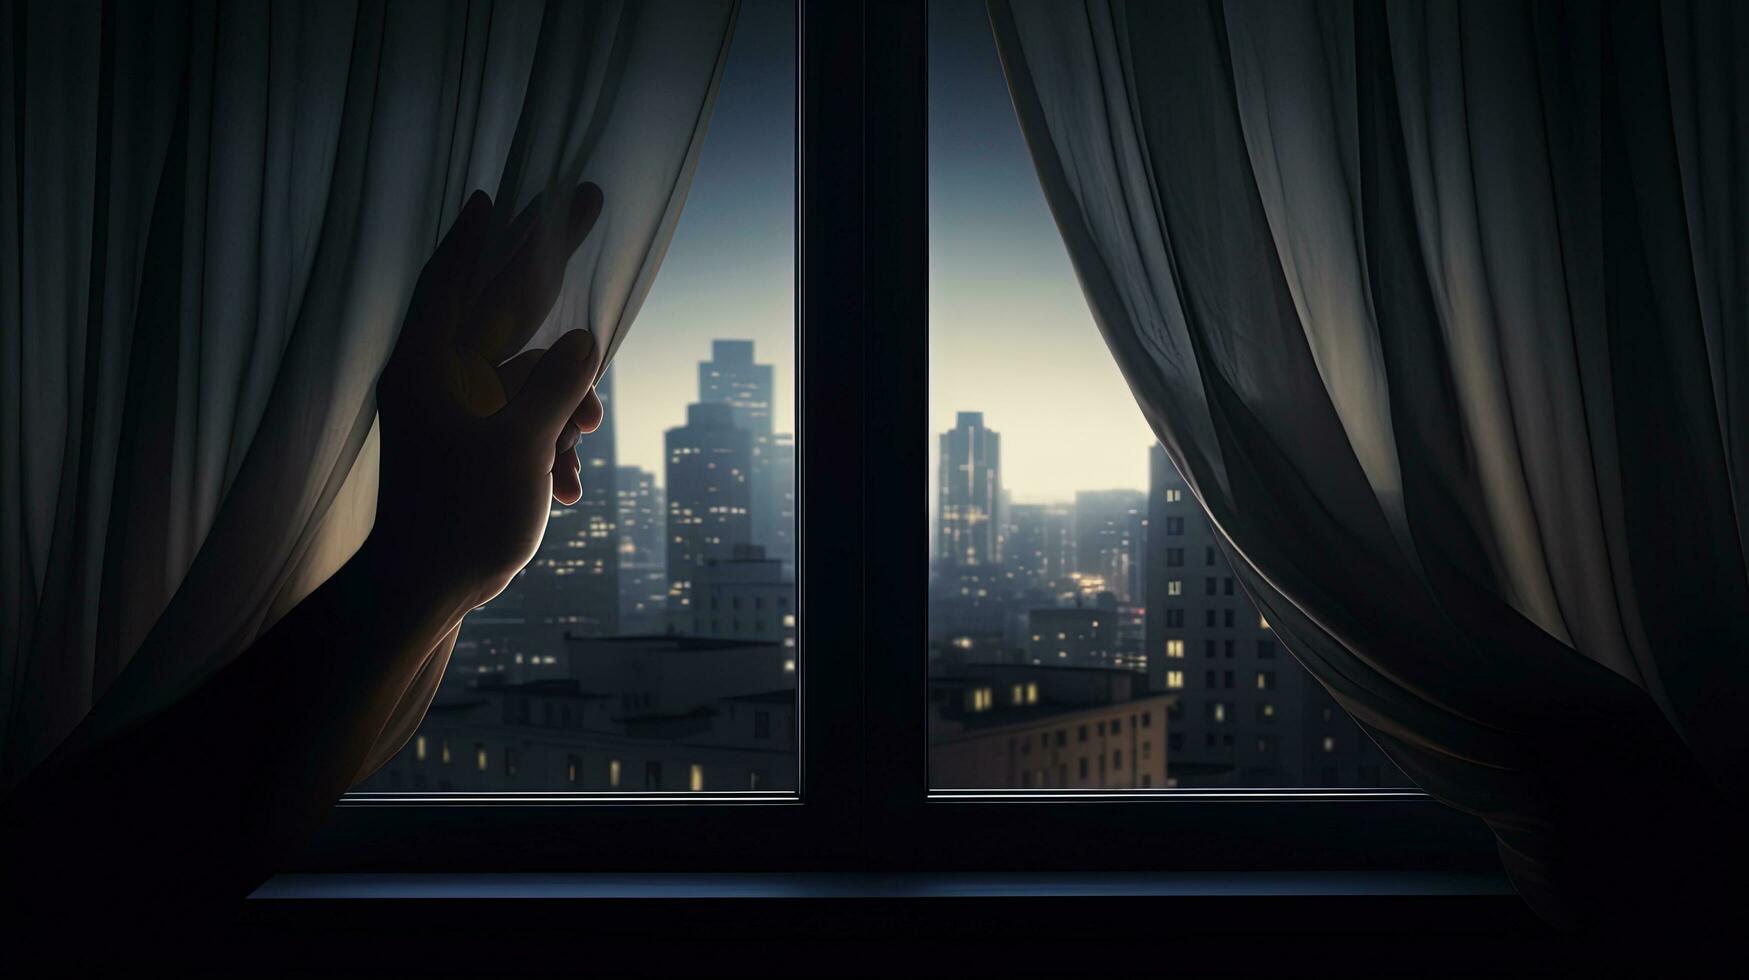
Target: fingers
x,y
440,292
554,390
568,478
521,294
590,414
512,373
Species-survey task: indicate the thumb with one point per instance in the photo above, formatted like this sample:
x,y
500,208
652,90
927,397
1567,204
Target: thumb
x,y
557,385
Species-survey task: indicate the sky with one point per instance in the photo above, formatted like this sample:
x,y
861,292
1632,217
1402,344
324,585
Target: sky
x,y
1009,331
730,270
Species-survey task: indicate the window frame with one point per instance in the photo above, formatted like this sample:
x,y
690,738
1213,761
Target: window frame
x,y
863,802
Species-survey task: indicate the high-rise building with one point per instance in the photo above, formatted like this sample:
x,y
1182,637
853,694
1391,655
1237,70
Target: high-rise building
x,y
572,585
1245,713
731,377
782,544
643,569
708,513
1106,540
970,492
1040,550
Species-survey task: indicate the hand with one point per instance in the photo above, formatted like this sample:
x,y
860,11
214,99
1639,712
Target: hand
x,y
472,449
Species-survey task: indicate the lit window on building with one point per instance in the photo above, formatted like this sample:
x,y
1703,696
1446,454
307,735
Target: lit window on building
x,y
419,748
443,752
1032,692
1175,649
1262,623
1174,496
695,778
1175,587
1329,743
789,666
1175,679
789,619
480,759
1220,712
1018,694
613,773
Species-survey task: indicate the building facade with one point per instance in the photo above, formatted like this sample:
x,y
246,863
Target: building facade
x,y
970,490
709,509
1027,727
643,565
1246,713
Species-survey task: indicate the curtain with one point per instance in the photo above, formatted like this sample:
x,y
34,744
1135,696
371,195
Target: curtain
x,y
213,216
1442,309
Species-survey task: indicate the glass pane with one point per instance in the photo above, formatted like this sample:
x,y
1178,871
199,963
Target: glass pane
x,y
1084,630
650,646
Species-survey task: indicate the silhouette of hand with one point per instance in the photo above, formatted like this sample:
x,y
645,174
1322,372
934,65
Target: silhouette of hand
x,y
472,450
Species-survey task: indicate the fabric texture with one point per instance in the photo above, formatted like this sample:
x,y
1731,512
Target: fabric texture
x,y
1442,309
214,215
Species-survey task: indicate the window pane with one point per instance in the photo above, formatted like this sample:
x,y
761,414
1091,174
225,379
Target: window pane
x,y
651,643
1067,556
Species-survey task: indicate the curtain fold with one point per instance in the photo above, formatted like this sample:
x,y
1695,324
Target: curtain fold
x,y
1440,308
213,218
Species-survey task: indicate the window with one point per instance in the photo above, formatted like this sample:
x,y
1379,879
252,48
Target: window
x,y
695,778
1266,680
684,546
918,665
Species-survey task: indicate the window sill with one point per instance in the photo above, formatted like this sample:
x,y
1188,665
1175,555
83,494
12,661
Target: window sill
x,y
847,885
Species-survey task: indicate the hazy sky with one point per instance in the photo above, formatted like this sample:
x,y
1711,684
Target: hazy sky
x,y
1009,332
730,271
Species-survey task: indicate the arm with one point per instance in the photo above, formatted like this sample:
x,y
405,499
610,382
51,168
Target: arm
x,y
214,792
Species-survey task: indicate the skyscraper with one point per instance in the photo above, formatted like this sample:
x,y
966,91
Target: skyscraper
x,y
1244,712
970,490
1107,533
1040,550
783,495
732,378
572,584
707,459
643,575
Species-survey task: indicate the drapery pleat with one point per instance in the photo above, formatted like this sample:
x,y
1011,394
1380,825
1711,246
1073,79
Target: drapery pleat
x,y
213,218
1441,309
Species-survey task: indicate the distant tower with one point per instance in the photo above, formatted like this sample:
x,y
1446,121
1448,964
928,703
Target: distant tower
x,y
1107,538
782,469
708,462
643,575
970,491
573,581
732,378
1040,549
